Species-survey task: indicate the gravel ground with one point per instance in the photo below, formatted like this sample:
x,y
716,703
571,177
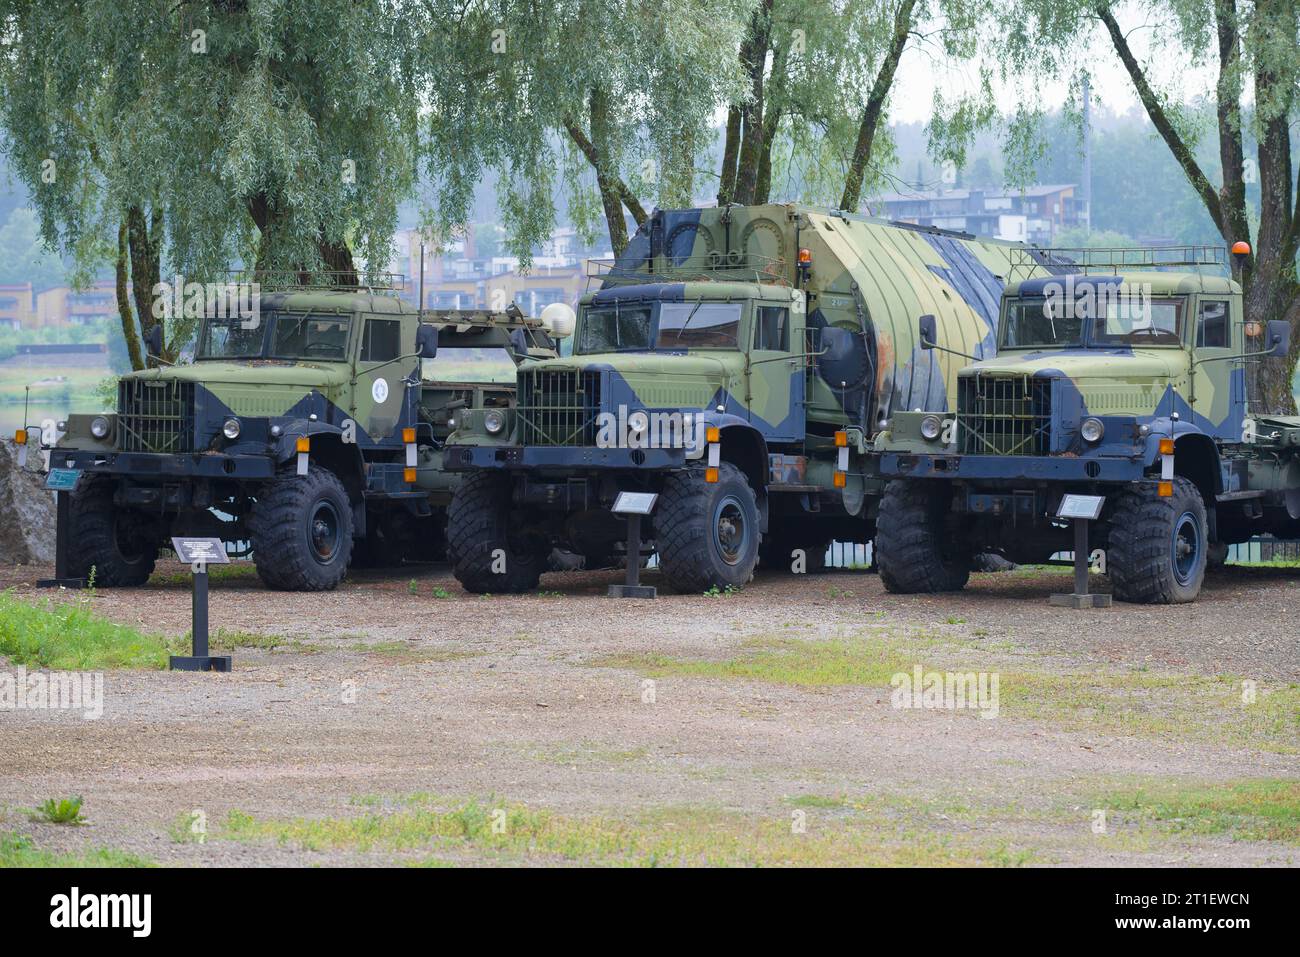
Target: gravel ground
x,y
514,697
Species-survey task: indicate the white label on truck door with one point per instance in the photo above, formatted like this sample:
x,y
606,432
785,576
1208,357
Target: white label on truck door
x,y
379,390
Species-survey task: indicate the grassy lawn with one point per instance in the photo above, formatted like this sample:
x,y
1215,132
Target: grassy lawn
x,y
1109,701
1261,810
66,635
17,850
428,830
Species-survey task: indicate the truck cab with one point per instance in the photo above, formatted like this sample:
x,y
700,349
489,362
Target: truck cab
x,y
1130,385
314,412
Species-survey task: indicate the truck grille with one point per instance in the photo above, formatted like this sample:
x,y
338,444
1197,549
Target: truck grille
x,y
1004,415
558,407
155,415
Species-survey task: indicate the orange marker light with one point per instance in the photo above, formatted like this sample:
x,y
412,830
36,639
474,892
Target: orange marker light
x,y
408,476
841,479
841,440
408,435
304,444
1166,446
711,476
1165,490
805,257
1241,248
20,437
713,434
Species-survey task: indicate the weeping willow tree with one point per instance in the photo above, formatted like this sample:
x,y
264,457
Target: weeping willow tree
x,y
185,137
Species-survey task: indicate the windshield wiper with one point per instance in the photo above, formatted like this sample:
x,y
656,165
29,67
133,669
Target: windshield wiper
x,y
698,302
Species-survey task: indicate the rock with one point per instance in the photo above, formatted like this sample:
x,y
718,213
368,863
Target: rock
x,y
989,562
27,513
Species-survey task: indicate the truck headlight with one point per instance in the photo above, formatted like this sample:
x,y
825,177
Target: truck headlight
x,y
931,427
1092,430
494,420
230,429
100,427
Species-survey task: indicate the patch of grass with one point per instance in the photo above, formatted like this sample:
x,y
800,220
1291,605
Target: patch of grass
x,y
1188,707
17,850
441,592
232,640
235,571
60,811
715,592
184,831
668,837
67,636
399,652
954,620
1255,810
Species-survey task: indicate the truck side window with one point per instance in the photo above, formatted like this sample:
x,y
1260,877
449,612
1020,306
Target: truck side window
x,y
773,328
381,340
1212,325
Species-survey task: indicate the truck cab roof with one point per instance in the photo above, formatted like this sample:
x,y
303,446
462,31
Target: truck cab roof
x,y
1161,283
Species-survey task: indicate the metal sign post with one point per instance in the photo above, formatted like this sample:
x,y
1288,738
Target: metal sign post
x,y
62,482
198,553
634,505
1081,509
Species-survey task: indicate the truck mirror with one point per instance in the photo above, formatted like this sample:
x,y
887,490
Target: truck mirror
x,y
1279,338
426,342
929,331
154,340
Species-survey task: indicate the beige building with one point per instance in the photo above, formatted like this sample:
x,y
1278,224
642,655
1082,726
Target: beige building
x,y
62,306
16,305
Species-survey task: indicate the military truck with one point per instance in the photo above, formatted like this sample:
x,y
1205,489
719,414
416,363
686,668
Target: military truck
x,y
1110,380
309,434
737,363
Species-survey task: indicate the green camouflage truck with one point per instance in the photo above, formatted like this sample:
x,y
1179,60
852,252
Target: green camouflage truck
x,y
310,433
736,362
1111,381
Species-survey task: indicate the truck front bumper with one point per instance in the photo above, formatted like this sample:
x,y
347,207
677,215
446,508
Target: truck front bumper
x,y
464,458
148,468
1008,470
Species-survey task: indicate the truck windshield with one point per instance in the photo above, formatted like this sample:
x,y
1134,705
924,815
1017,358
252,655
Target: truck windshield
x,y
670,326
491,365
290,335
1051,324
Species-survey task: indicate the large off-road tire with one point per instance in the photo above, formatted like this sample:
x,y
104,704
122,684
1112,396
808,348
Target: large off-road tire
x,y
916,548
707,535
119,545
1157,546
486,556
301,531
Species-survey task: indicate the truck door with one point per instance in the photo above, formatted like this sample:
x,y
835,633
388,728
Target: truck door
x,y
380,400
1220,384
776,375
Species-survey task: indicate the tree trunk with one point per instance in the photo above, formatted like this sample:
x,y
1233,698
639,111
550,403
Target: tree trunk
x,y
875,108
144,245
751,112
610,195
730,151
129,333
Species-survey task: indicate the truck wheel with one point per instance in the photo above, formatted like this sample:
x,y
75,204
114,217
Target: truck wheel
x,y
1158,546
915,549
707,534
120,545
485,557
301,531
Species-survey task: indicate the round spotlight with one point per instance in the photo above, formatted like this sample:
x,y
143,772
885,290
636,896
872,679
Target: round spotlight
x,y
100,427
230,429
931,428
1092,430
494,420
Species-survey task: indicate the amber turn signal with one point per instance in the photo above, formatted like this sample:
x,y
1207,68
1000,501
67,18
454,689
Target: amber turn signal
x,y
1165,490
1166,446
713,434
304,444
711,476
841,479
408,476
20,437
408,436
841,440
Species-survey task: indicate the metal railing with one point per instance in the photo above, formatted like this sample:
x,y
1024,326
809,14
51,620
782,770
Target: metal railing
x,y
716,266
1115,259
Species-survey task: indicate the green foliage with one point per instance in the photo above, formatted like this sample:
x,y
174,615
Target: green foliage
x,y
67,635
18,850
60,811
24,257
